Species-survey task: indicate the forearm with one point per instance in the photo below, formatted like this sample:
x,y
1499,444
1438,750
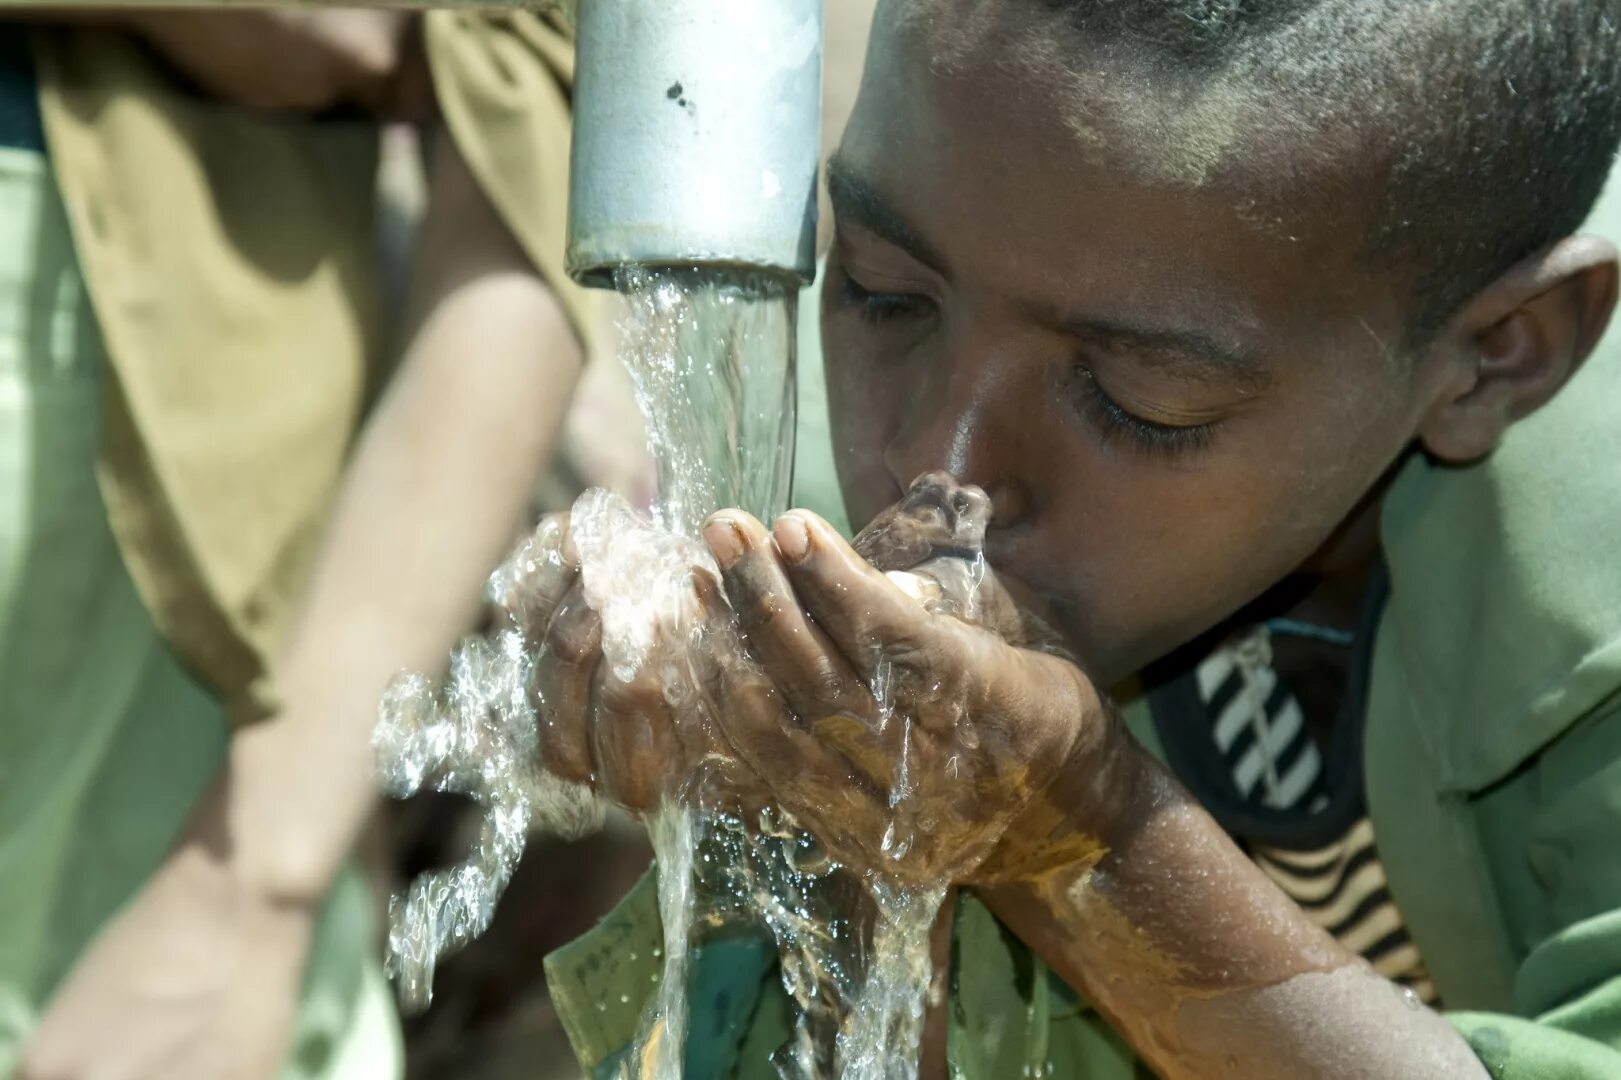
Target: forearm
x,y
438,489
292,60
1205,966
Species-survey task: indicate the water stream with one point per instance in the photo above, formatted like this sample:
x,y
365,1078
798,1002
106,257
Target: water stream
x,y
712,360
711,357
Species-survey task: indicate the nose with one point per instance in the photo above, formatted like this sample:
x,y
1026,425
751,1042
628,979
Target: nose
x,y
962,422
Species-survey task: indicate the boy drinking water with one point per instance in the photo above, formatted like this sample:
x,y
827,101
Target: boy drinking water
x,y
1229,309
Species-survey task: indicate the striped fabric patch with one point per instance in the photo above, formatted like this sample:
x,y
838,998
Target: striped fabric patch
x,y
1259,728
1262,734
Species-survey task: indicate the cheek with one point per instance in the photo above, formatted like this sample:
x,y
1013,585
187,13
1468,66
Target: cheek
x,y
1159,551
862,403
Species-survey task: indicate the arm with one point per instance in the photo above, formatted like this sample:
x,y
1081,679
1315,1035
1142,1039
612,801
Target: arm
x,y
1101,861
282,59
1194,955
302,60
439,488
198,977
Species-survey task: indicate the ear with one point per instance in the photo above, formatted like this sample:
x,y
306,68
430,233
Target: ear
x,y
1510,348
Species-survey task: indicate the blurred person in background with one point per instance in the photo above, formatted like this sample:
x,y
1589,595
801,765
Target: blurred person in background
x,y
208,567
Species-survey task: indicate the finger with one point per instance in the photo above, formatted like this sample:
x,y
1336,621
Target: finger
x,y
533,581
568,661
633,745
815,679
795,763
647,732
864,613
714,647
751,717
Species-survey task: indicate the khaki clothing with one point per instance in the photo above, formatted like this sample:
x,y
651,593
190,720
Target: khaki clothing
x,y
189,331
229,258
243,330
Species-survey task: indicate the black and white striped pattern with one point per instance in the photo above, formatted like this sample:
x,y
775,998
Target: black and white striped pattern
x,y
1342,888
1261,732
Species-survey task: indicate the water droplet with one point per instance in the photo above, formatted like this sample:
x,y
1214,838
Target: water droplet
x,y
624,999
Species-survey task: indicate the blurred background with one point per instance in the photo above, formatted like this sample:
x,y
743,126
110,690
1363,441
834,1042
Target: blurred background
x,y
249,238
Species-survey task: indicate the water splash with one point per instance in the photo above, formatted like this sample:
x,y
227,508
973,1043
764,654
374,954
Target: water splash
x,y
474,737
854,952
711,358
777,874
711,361
674,843
883,1032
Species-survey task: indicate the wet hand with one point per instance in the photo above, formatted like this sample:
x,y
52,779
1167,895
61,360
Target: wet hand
x,y
621,737
910,741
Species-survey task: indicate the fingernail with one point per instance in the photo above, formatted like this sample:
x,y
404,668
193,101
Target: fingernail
x,y
724,542
703,585
793,539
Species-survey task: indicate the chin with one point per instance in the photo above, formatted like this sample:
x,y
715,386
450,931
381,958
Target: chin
x,y
1110,659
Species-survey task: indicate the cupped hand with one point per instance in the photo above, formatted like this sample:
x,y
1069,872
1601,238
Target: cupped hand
x,y
910,738
910,741
633,740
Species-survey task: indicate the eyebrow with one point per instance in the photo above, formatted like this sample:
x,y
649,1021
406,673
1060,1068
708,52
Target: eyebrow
x,y
857,201
1193,352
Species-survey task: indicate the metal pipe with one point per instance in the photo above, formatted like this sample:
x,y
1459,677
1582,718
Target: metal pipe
x,y
697,127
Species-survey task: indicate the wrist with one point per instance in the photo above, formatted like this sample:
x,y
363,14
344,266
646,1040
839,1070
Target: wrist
x,y
209,882
256,833
1103,788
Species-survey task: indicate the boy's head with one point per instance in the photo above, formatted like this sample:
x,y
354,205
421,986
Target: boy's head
x,y
1178,282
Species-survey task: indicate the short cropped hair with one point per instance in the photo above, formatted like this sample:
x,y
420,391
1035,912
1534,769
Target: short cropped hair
x,y
1493,123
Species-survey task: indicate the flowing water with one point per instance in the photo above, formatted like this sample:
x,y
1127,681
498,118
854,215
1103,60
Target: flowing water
x,y
712,360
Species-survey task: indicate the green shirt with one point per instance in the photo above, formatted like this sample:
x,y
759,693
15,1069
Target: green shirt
x,y
1492,764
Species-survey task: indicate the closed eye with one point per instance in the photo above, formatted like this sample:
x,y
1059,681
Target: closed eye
x,y
1115,421
877,306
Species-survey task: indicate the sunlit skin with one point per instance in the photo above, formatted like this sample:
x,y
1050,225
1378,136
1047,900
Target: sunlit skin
x,y
1171,407
1176,394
